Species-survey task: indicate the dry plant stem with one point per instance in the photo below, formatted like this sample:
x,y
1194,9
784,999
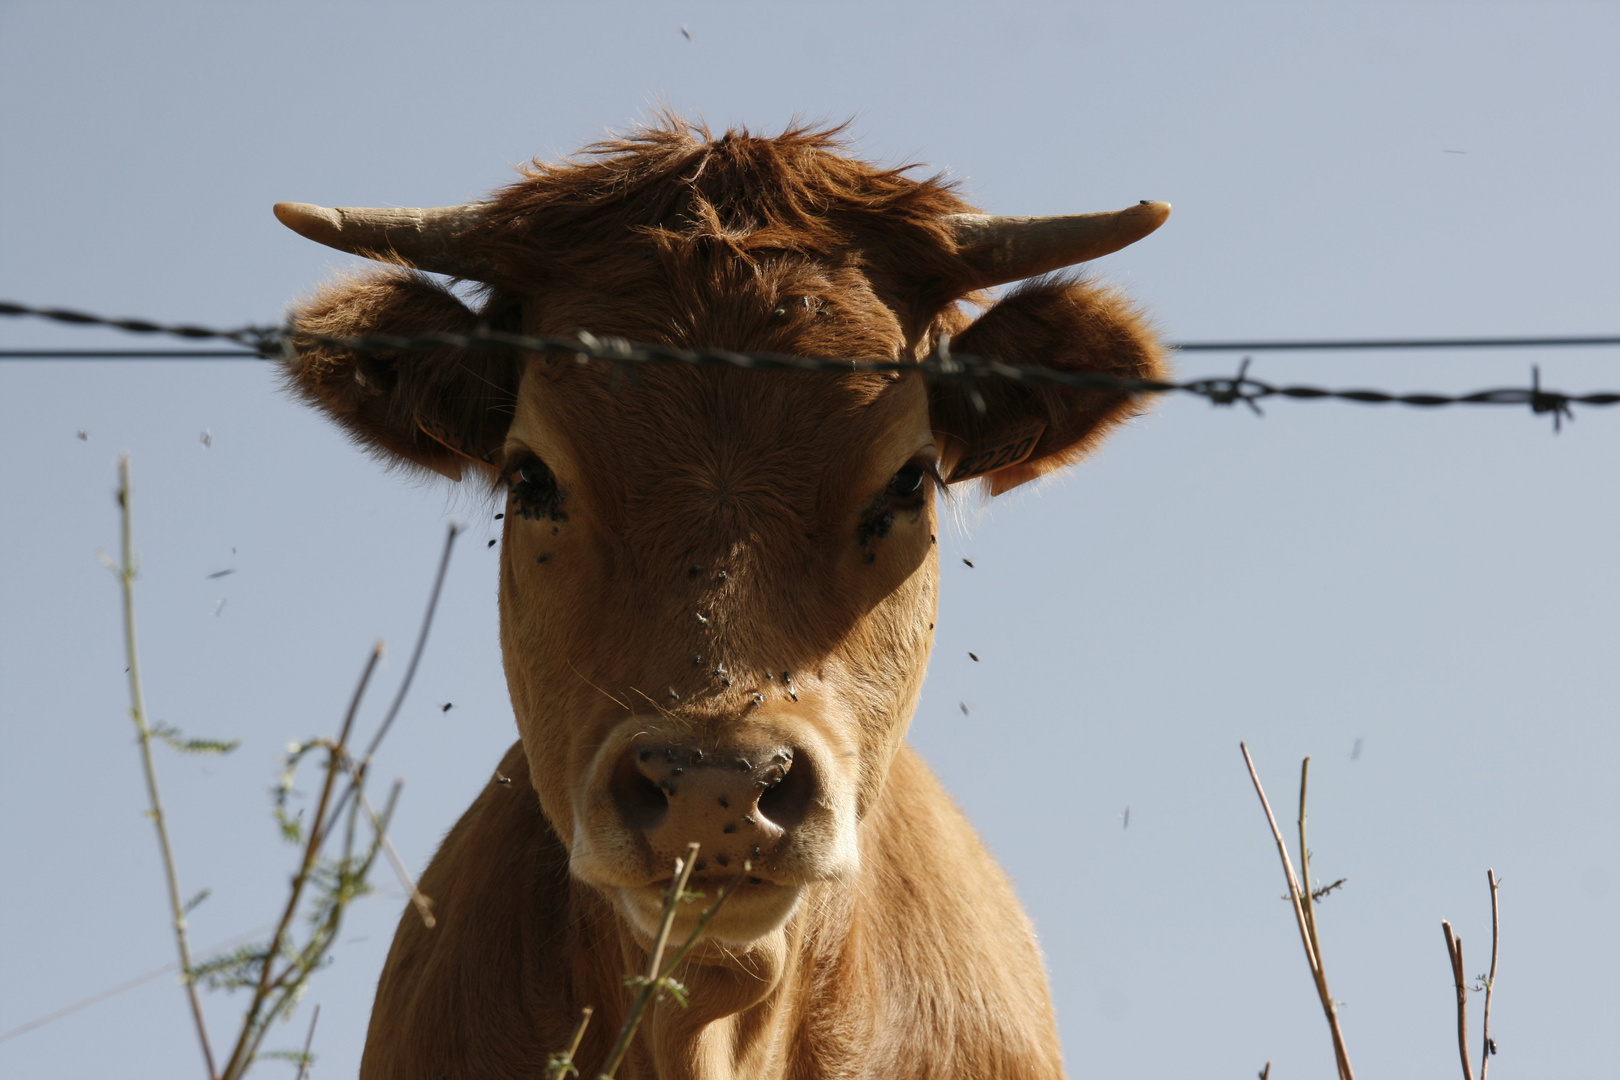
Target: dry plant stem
x,y
655,959
1307,906
137,711
309,1040
359,773
1312,957
424,906
705,918
562,1066
1455,953
648,990
579,1032
1487,1048
421,643
241,1055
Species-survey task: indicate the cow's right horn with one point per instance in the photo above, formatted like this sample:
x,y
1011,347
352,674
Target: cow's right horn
x,y
995,250
425,238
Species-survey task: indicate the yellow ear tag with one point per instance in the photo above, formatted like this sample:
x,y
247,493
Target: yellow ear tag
x,y
984,458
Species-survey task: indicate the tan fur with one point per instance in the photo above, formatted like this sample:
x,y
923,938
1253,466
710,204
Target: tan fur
x,y
717,565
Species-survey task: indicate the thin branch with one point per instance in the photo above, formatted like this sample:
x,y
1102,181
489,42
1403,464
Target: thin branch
x,y
359,774
421,643
1305,872
1307,897
655,959
137,711
241,1055
1307,937
309,1040
704,919
379,825
1487,1046
1454,951
661,978
561,1066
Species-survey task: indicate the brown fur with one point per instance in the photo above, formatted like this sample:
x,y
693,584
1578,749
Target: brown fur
x,y
703,534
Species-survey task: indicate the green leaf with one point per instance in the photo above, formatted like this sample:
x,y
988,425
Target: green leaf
x,y
177,741
195,900
297,1057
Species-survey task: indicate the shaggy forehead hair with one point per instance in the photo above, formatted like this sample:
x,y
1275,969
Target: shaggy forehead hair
x,y
673,186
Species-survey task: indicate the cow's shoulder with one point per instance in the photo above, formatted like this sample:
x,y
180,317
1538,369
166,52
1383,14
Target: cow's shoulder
x,y
503,954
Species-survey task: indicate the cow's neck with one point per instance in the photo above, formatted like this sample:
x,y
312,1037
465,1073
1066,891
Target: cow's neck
x,y
744,1016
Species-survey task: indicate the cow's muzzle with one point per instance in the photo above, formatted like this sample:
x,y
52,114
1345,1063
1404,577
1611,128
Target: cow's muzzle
x,y
767,802
737,803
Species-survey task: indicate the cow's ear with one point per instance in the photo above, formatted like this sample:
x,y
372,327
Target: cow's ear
x,y
440,409
1024,432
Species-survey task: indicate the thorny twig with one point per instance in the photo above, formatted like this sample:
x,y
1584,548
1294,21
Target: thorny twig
x,y
1300,899
137,710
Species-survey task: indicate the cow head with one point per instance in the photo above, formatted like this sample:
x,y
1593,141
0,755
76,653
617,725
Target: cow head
x,y
718,586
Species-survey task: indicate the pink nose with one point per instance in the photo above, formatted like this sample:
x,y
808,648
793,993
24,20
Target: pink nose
x,y
737,803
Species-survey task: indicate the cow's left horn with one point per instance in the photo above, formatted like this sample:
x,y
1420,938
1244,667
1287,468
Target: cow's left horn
x,y
422,237
997,249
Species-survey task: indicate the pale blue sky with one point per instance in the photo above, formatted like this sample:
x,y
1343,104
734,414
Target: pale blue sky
x,y
1441,586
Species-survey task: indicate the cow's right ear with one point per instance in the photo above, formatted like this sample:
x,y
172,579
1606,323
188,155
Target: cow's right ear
x,y
439,409
1010,433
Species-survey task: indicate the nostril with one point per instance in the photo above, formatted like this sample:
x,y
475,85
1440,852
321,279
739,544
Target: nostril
x,y
641,802
786,801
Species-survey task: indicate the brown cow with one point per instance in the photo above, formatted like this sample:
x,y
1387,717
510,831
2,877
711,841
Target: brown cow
x,y
717,598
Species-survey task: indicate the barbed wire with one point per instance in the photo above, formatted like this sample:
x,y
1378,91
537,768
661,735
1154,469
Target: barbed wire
x,y
265,342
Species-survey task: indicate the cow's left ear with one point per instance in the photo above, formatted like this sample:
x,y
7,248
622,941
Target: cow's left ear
x,y
444,409
1024,431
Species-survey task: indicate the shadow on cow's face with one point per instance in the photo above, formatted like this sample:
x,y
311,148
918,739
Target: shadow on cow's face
x,y
717,600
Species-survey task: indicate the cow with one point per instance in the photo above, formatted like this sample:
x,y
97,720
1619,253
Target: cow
x,y
717,594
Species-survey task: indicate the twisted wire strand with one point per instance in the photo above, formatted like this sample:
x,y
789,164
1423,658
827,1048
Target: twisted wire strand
x,y
269,342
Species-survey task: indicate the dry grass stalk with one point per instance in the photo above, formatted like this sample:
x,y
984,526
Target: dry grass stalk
x,y
1304,915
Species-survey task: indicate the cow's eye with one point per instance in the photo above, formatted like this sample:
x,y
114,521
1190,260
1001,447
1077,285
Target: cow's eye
x,y
535,493
905,489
